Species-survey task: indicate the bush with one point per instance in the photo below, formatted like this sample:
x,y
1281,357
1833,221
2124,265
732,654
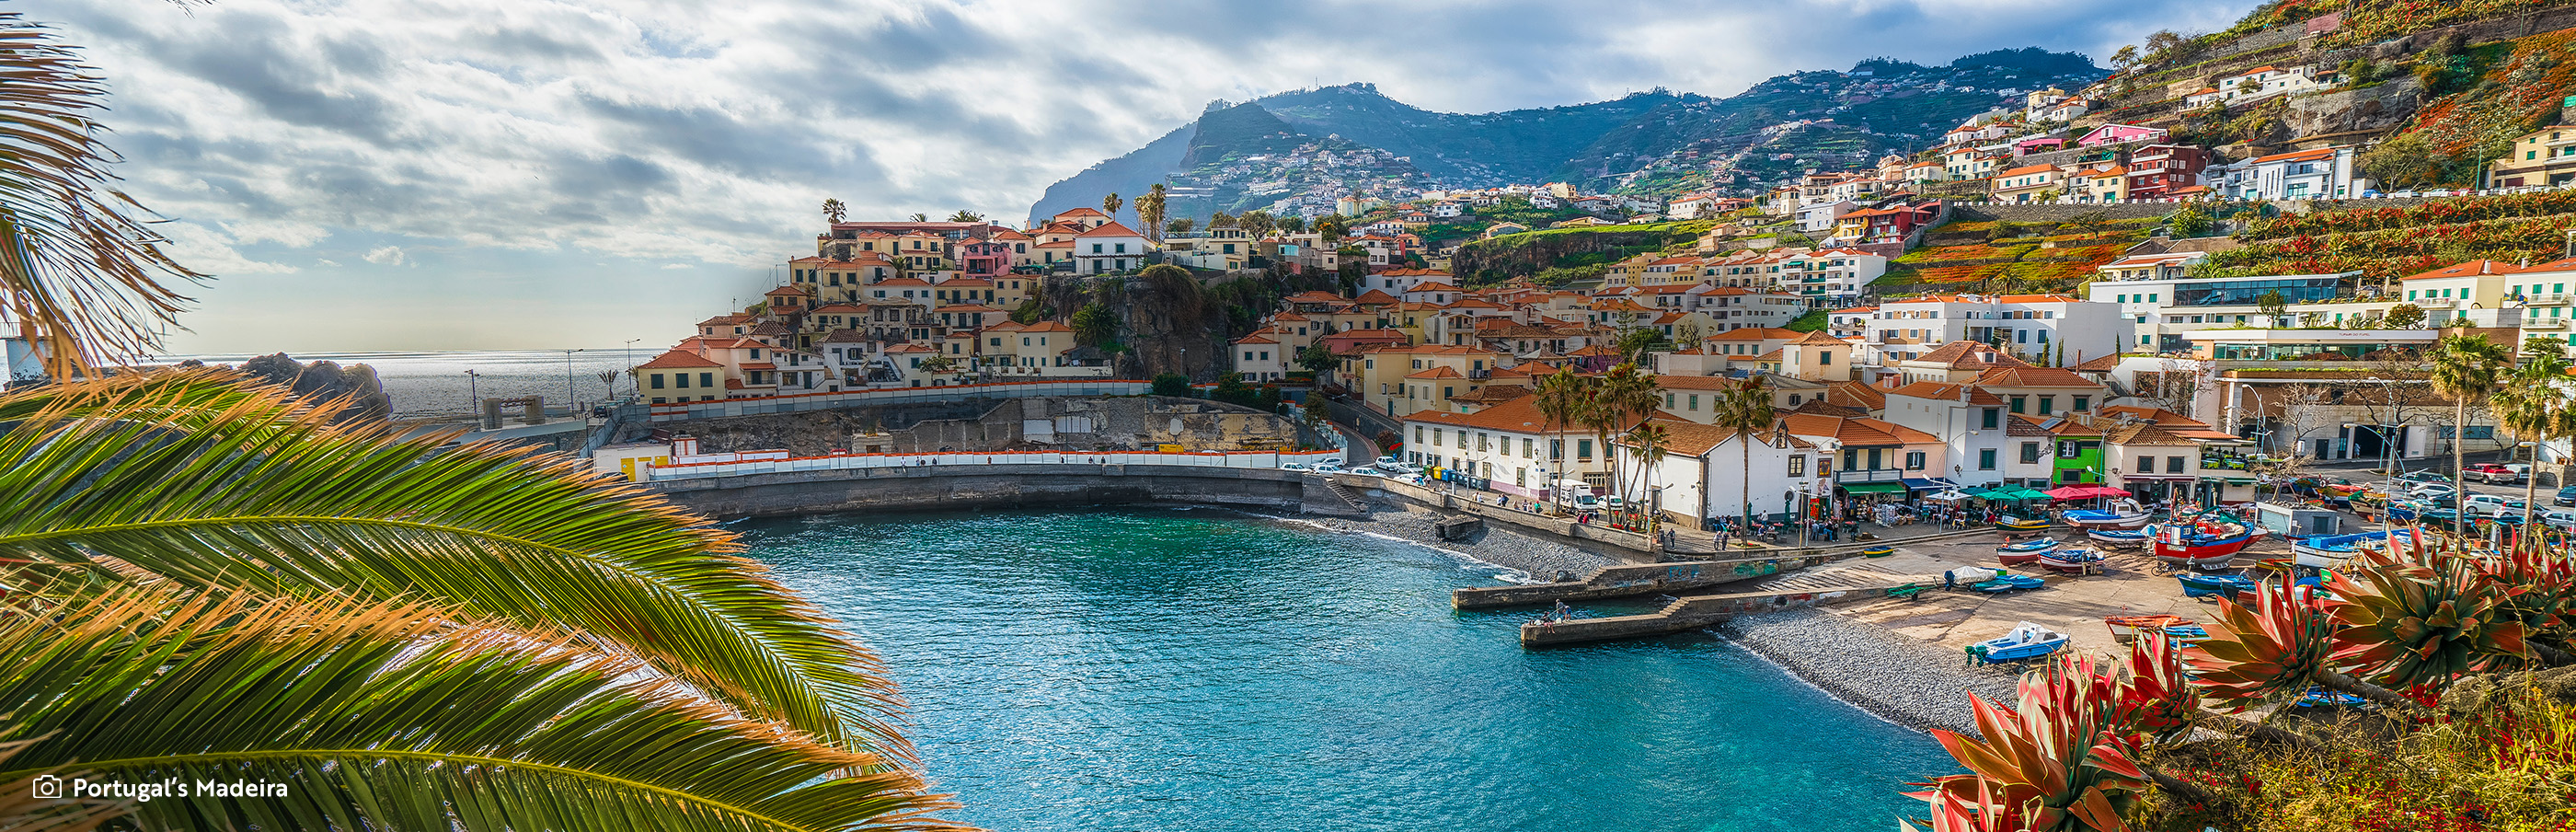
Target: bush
x,y
1172,384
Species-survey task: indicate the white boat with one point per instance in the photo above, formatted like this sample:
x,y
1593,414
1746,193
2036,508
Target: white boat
x,y
2331,552
2122,514
2026,641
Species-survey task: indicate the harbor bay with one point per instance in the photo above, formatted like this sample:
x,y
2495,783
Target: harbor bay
x,y
1169,668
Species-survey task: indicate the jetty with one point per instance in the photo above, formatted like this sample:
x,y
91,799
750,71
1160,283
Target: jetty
x,y
1846,583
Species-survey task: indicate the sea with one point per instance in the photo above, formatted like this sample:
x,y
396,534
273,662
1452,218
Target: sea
x,y
1178,669
435,384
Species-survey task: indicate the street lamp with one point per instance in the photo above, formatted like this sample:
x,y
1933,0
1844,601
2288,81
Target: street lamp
x,y
630,366
473,398
568,406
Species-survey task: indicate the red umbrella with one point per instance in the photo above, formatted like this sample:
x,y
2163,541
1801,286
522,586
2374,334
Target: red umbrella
x,y
2070,492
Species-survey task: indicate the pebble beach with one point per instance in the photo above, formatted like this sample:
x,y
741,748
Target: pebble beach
x,y
1902,680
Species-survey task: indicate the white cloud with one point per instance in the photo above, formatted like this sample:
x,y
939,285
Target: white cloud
x,y
669,266
386,256
327,263
211,251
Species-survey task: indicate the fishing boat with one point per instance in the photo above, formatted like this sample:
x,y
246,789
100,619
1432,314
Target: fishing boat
x,y
2070,560
2026,641
2122,514
2330,551
2224,586
1878,551
2117,537
2016,524
2207,544
2125,628
2321,698
2186,633
2024,553
2006,582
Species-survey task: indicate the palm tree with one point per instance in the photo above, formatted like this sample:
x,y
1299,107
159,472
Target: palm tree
x,y
1628,396
1149,210
88,279
1562,398
474,637
1746,409
211,578
1109,205
1649,443
2536,407
2464,368
964,215
833,211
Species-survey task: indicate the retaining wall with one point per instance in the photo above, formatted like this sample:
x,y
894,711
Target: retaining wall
x,y
944,487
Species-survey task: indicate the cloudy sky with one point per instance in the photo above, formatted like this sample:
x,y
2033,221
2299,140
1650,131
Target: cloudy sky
x,y
498,174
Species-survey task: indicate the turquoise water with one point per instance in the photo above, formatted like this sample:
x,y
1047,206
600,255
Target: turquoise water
x,y
1166,669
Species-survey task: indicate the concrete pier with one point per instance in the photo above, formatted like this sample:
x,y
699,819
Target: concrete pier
x,y
1689,613
941,487
1622,581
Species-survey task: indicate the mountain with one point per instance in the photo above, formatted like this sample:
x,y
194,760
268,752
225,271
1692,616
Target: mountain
x,y
1299,150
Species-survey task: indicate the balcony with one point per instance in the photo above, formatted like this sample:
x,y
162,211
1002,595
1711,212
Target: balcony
x,y
2544,323
2435,303
2546,299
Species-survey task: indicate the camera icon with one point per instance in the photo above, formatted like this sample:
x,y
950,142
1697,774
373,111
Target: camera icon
x,y
49,787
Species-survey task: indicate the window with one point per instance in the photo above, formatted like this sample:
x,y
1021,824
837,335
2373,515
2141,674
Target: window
x,y
1991,418
1556,449
2029,452
2047,404
1824,359
2143,465
2017,403
1914,460
1986,459
1583,449
1529,448
1797,466
2173,464
657,380
1417,434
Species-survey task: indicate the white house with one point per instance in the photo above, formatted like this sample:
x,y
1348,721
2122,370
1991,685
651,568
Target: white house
x,y
1709,472
1509,448
1109,248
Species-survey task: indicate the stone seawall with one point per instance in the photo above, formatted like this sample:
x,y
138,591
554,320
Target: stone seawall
x,y
940,487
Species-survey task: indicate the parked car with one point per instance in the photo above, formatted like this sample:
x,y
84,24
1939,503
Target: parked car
x,y
2420,476
2431,489
2521,470
2490,472
2487,504
1389,459
1329,466
2560,520
1296,466
2566,497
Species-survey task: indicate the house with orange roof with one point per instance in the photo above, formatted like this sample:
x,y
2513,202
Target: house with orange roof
x,y
1260,357
1709,472
2452,292
1109,248
1976,425
1508,447
2105,183
680,375
2027,184
1874,460
1401,379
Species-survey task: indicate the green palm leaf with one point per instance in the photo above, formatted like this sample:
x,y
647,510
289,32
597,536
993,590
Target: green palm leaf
x,y
188,478
386,716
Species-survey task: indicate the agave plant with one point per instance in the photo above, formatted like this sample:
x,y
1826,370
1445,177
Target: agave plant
x,y
2053,763
2421,620
2280,646
2539,586
2158,699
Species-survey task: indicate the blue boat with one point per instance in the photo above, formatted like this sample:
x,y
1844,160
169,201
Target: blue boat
x,y
2224,586
2026,641
2006,582
2024,553
2117,537
2187,633
2320,697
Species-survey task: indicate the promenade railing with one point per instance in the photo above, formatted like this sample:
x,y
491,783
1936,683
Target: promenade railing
x,y
722,408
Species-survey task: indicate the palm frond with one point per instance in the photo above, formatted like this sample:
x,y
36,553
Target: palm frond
x,y
186,478
75,265
389,716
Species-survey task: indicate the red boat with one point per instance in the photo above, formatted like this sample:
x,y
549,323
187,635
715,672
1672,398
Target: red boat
x,y
2182,545
2024,553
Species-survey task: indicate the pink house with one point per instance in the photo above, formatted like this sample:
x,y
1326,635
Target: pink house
x,y
2119,134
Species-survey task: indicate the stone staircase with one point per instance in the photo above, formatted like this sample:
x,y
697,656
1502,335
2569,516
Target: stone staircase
x,y
1846,575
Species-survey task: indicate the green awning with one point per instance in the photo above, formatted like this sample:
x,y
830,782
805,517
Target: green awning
x,y
1873,488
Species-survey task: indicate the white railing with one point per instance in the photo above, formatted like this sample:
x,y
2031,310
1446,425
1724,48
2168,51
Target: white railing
x,y
2435,303
847,462
2544,323
723,408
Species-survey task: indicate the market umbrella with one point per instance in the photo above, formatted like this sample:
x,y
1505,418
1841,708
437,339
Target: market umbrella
x,y
1996,493
2070,492
1947,496
2019,494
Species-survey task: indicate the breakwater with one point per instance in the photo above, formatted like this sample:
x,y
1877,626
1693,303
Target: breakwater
x,y
946,487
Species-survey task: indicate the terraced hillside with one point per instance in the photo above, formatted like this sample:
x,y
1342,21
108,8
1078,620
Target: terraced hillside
x,y
2395,242
1990,255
